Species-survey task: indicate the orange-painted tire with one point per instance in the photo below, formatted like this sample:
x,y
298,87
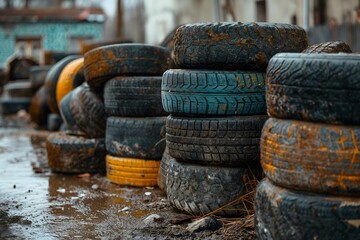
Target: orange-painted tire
x,y
311,156
104,63
71,77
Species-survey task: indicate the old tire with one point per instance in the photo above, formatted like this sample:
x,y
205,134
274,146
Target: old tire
x,y
132,172
314,87
88,112
328,47
52,78
311,156
54,122
39,109
198,190
206,92
19,67
104,63
133,97
74,154
37,76
19,89
228,141
71,77
163,170
135,137
241,46
13,105
284,214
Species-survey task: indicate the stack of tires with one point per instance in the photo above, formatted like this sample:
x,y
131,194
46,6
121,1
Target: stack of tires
x,y
310,148
130,77
81,148
217,102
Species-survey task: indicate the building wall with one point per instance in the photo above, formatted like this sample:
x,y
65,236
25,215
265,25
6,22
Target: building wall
x,y
55,36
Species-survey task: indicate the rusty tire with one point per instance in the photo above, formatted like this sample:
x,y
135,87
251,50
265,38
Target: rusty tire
x,y
228,141
285,214
37,76
19,89
104,63
88,111
328,47
314,87
311,156
198,190
207,92
135,137
71,77
241,46
38,108
75,154
133,97
52,78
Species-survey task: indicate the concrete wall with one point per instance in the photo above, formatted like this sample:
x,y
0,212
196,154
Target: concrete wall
x,y
55,36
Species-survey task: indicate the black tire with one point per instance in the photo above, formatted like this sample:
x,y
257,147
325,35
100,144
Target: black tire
x,y
314,87
54,122
13,105
245,46
70,154
19,67
104,63
37,76
199,190
52,78
135,137
163,170
65,110
228,141
19,89
311,156
133,97
328,47
39,109
88,111
206,92
285,214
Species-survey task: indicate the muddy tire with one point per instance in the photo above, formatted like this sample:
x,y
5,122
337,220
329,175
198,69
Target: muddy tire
x,y
329,47
206,92
19,89
52,78
230,141
133,97
71,77
163,170
88,112
198,190
39,109
19,67
311,156
132,172
135,137
285,214
13,105
37,76
314,87
241,46
104,63
70,154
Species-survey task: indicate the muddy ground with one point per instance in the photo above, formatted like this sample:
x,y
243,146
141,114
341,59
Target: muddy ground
x,y
37,204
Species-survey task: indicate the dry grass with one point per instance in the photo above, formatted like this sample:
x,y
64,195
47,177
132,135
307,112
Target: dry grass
x,y
242,226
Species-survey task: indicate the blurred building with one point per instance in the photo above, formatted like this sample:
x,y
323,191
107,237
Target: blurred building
x,y
32,27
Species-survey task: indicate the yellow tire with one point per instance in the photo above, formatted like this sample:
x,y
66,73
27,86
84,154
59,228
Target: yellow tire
x,y
132,169
135,175
131,181
132,162
71,77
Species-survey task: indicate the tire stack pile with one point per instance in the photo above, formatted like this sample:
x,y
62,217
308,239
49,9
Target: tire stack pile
x,y
81,148
215,127
130,76
310,148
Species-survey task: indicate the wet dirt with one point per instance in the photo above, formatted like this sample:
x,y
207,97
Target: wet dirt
x,y
38,204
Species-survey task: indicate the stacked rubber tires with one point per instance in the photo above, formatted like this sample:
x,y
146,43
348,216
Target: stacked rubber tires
x,y
81,148
130,76
310,148
217,107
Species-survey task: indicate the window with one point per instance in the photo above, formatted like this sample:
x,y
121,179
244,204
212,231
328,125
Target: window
x,y
30,47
